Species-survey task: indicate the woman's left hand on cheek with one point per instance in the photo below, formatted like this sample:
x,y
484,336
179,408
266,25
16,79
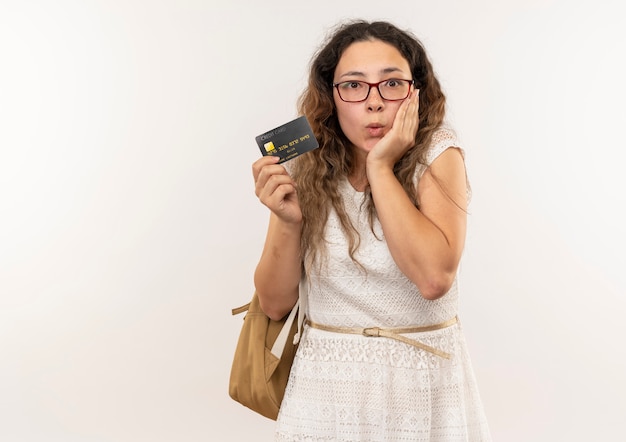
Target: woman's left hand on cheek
x,y
401,137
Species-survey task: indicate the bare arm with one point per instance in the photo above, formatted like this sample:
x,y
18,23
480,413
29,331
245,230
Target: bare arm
x,y
426,244
279,270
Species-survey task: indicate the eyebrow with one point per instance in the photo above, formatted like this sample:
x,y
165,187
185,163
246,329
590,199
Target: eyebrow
x,y
388,70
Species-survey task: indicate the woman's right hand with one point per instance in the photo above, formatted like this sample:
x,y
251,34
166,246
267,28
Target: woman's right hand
x,y
276,189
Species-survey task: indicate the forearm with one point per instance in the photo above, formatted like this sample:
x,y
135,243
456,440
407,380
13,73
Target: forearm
x,y
278,272
419,247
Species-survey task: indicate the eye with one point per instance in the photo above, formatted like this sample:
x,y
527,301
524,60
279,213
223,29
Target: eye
x,y
353,85
393,83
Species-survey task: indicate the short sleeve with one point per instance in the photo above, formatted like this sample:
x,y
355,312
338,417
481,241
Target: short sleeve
x,y
442,140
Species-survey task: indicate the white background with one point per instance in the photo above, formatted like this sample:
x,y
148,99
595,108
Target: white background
x,y
129,226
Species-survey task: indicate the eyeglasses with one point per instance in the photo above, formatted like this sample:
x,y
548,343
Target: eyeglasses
x,y
391,90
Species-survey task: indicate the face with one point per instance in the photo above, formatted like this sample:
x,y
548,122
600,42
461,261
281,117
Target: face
x,y
366,122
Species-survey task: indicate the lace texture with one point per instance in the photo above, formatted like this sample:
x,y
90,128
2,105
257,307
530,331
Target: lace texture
x,y
356,388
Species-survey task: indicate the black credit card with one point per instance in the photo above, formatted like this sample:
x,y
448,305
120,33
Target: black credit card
x,y
289,140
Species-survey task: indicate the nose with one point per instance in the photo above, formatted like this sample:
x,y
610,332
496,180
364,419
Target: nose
x,y
374,101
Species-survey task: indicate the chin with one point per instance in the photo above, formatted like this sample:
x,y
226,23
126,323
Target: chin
x,y
362,149
368,145
364,146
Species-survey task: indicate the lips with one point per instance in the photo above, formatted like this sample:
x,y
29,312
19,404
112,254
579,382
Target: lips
x,y
375,129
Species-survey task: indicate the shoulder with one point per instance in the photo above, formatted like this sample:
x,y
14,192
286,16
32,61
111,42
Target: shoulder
x,y
443,139
446,159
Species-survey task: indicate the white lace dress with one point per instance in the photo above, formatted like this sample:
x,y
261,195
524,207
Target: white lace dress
x,y
346,387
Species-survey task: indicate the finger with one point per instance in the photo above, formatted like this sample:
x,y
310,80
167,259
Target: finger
x,y
280,191
266,188
402,119
416,101
274,181
401,115
267,171
276,197
408,111
410,115
259,164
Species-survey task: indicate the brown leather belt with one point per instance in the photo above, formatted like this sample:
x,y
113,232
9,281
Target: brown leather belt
x,y
392,333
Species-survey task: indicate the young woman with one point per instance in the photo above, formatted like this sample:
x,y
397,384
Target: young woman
x,y
373,225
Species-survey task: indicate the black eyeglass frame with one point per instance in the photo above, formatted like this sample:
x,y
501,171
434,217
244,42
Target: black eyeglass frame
x,y
371,85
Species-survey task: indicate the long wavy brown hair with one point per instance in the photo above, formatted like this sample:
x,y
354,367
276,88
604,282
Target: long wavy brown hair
x,y
319,172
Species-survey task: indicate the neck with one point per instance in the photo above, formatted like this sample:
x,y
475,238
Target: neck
x,y
358,174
